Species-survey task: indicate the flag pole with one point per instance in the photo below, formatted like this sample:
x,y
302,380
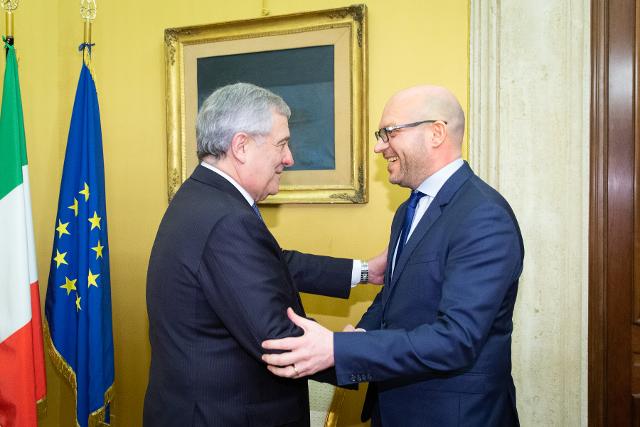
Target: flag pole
x,y
88,14
87,41
87,31
9,6
8,15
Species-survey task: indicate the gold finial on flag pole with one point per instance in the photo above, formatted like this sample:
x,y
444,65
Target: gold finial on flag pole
x,y
9,6
88,13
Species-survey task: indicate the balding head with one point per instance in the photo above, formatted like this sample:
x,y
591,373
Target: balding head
x,y
421,132
436,103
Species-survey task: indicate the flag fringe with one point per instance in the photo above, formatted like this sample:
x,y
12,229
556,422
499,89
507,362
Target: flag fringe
x,y
96,418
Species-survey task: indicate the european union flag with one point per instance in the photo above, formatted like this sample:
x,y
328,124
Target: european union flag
x,y
78,305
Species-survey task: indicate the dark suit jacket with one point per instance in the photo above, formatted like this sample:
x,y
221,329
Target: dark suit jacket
x,y
218,284
439,348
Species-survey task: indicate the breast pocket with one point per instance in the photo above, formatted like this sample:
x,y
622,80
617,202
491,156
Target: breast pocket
x,y
418,290
420,257
424,267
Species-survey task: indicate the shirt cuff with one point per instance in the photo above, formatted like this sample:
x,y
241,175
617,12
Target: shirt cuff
x,y
355,272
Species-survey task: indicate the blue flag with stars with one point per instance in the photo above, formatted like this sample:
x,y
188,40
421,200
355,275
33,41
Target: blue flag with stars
x,y
78,305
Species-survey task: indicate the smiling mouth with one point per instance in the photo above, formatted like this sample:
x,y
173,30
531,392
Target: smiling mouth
x,y
392,159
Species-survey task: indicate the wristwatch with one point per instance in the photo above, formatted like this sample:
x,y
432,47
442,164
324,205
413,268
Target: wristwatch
x,y
364,272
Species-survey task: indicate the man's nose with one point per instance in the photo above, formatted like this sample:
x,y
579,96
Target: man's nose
x,y
380,146
288,158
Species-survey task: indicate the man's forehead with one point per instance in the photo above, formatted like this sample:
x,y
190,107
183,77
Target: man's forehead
x,y
400,109
280,123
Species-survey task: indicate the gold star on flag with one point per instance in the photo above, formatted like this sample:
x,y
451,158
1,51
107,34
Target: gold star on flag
x,y
91,279
74,206
62,228
85,192
98,250
95,220
78,298
69,285
59,258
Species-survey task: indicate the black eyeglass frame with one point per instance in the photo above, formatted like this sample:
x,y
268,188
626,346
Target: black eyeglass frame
x,y
382,134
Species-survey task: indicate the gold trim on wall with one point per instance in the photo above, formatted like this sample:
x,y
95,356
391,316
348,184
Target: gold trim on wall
x,y
344,28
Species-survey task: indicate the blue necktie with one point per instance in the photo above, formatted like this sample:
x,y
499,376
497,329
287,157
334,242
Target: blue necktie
x,y
255,209
408,219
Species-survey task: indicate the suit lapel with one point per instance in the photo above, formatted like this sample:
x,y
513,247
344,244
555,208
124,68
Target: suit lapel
x,y
211,178
427,220
396,229
437,206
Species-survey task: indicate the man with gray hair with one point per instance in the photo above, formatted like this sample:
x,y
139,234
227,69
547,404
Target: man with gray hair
x,y
218,282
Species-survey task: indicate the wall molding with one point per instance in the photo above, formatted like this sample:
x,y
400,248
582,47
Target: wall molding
x,y
484,91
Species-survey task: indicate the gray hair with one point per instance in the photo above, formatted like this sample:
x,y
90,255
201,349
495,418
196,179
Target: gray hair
x,y
240,107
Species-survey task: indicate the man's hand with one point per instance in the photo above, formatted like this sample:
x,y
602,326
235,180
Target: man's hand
x,y
304,355
377,265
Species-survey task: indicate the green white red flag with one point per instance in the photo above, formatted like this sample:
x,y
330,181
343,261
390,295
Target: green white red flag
x,y
22,373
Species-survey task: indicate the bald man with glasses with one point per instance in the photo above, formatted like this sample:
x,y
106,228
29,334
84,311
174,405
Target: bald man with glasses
x,y
435,345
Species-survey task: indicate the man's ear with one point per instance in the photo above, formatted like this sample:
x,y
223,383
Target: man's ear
x,y
238,148
439,132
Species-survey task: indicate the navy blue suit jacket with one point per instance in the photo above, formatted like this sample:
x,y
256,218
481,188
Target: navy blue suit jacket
x,y
218,284
438,350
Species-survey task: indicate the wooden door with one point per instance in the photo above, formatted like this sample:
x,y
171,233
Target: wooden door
x,y
614,283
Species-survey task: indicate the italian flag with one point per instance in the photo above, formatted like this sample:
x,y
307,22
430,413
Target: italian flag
x,y
22,375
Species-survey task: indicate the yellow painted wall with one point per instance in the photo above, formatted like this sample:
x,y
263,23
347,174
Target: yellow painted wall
x,y
410,42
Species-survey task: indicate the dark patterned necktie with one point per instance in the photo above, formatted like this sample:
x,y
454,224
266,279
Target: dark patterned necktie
x,y
408,219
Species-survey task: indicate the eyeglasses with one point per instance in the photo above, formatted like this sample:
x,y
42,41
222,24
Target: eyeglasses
x,y
382,134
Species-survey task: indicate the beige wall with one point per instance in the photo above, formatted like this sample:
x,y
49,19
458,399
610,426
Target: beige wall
x,y
410,42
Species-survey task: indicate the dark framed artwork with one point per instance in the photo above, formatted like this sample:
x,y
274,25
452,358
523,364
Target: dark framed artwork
x,y
315,61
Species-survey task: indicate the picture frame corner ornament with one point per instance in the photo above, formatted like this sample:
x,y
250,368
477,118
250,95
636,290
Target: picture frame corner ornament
x,y
171,41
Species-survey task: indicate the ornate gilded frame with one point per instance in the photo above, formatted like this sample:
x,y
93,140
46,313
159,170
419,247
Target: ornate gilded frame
x,y
182,45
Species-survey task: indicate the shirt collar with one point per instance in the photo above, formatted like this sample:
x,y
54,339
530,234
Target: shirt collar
x,y
434,183
231,180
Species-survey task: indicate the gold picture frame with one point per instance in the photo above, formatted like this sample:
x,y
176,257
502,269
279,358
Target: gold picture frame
x,y
343,32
